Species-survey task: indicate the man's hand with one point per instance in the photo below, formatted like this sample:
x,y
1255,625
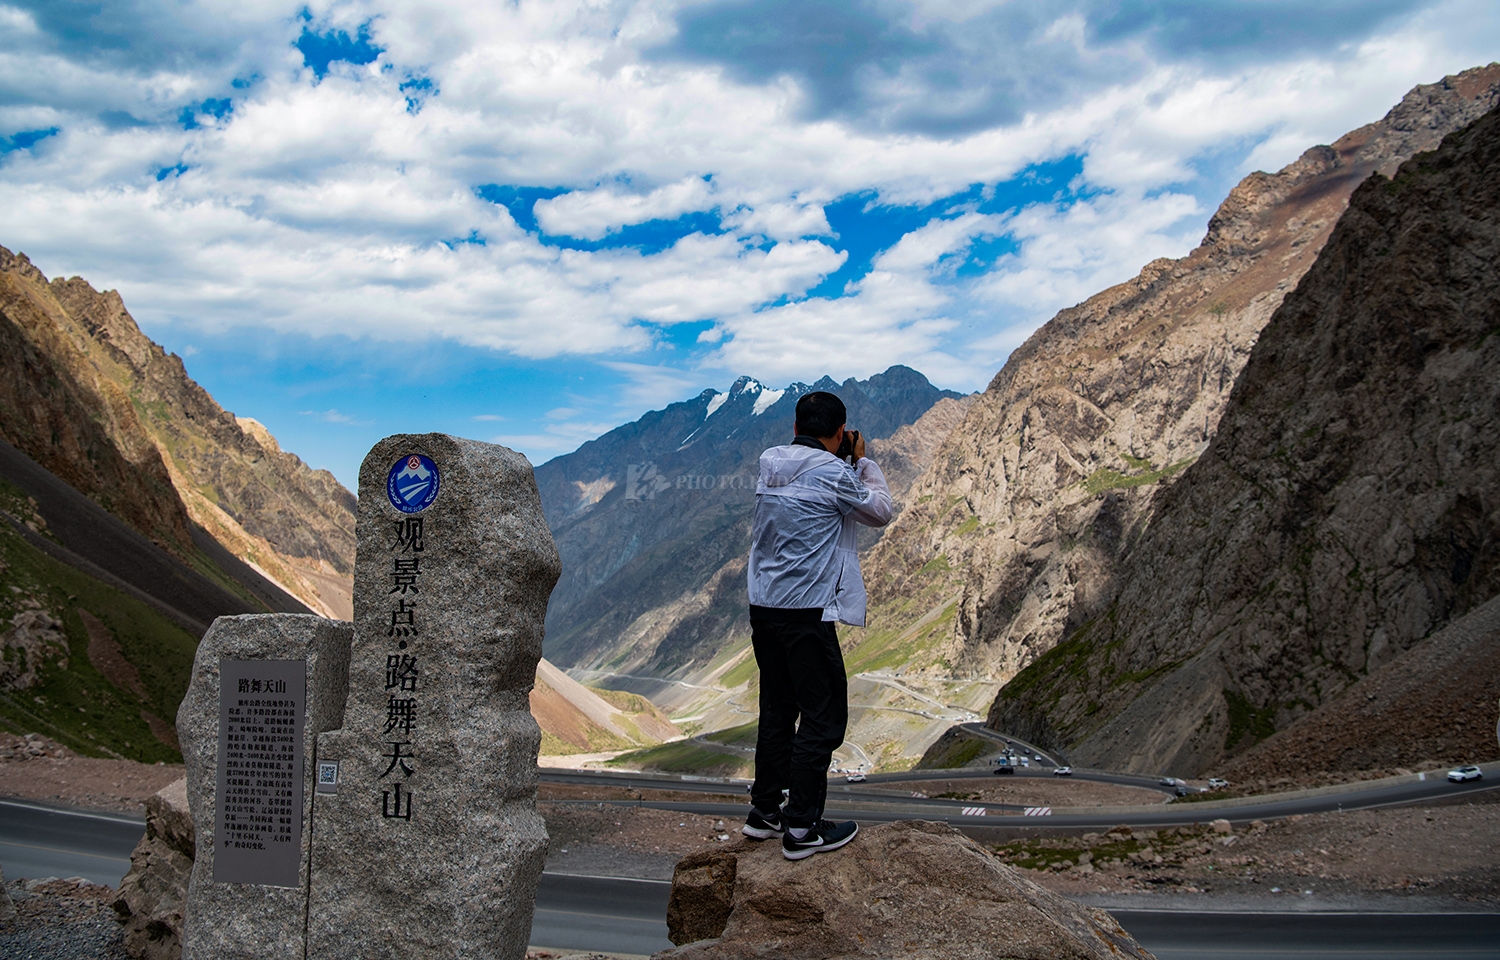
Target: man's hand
x,y
859,447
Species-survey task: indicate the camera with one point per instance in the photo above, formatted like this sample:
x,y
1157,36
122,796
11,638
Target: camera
x,y
846,449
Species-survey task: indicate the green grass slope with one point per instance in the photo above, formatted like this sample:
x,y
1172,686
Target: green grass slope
x,y
75,704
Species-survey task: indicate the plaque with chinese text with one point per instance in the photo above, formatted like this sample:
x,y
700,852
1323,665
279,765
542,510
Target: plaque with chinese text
x,y
262,714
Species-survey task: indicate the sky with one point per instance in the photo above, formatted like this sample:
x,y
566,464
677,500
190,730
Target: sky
x,y
530,222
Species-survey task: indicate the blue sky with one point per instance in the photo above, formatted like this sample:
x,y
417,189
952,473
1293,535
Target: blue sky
x,y
530,222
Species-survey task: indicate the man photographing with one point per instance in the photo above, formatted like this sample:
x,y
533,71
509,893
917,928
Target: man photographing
x,y
804,577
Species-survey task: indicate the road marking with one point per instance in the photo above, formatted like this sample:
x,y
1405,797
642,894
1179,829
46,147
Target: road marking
x,y
595,876
976,811
74,813
1038,811
71,853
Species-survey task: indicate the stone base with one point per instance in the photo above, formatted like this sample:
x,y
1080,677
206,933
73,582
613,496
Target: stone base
x,y
899,890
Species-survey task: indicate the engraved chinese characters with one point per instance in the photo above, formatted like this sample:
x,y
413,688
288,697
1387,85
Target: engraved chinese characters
x,y
426,840
261,722
401,672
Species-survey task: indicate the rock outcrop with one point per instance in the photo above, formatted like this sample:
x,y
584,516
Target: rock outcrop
x,y
1020,525
152,894
96,402
899,890
1348,507
34,637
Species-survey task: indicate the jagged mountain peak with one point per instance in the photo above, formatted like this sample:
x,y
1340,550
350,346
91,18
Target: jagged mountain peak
x,y
647,514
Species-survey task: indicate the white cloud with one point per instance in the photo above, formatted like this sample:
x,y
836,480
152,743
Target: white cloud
x,y
329,207
592,214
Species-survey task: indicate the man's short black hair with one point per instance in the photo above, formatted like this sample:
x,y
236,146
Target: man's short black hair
x,y
820,414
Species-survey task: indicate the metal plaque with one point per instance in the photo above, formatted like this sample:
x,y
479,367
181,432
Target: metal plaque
x,y
262,715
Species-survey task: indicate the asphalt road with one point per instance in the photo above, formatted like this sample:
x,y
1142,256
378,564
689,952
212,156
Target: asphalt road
x,y
37,841
893,805
628,916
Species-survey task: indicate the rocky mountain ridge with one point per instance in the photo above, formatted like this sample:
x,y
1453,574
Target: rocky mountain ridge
x,y
1015,536
652,519
109,411
1346,509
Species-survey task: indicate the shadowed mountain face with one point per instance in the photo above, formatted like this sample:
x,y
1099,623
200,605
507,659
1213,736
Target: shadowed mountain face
x,y
1348,507
101,406
1018,533
653,519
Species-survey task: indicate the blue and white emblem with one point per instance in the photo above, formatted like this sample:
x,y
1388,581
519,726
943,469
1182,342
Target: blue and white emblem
x,y
412,484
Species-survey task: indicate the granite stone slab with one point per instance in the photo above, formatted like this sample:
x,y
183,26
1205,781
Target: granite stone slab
x,y
229,921
429,844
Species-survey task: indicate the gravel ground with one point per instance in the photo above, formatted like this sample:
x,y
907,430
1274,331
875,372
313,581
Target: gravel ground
x,y
35,768
62,920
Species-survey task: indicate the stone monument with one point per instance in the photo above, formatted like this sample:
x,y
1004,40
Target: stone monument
x,y
263,686
369,790
427,842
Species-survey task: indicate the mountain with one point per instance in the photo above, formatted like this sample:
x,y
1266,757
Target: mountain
x,y
1348,508
102,407
1017,534
652,520
575,719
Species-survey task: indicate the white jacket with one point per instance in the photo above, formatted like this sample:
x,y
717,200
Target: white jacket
x,y
802,549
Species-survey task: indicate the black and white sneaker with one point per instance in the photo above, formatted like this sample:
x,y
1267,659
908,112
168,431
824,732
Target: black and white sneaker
x,y
824,836
763,826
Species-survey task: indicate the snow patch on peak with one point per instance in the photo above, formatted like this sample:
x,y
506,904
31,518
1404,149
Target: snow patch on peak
x,y
745,385
766,400
714,404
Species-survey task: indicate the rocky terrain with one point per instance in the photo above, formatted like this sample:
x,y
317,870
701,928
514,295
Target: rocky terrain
x,y
1344,511
652,519
1018,532
1436,700
101,406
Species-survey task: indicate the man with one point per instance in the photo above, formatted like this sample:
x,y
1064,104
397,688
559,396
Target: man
x,y
804,576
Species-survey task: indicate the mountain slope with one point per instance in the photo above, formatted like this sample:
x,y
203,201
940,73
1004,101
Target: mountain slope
x,y
95,394
652,519
1348,507
55,407
1017,531
1435,702
575,719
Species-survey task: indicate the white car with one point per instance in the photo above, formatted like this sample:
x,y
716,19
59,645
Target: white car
x,y
1217,783
1062,772
1460,774
855,776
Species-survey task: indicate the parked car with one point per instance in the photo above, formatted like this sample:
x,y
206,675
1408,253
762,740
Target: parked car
x,y
855,776
1217,783
1062,772
1168,781
1460,774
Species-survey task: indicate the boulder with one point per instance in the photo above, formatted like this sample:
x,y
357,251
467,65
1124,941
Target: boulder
x,y
906,889
151,895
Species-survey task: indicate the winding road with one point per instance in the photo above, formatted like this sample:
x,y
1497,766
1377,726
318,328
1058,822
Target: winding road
x,y
627,916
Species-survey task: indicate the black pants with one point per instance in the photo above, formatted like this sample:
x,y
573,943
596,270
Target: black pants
x,y
801,678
